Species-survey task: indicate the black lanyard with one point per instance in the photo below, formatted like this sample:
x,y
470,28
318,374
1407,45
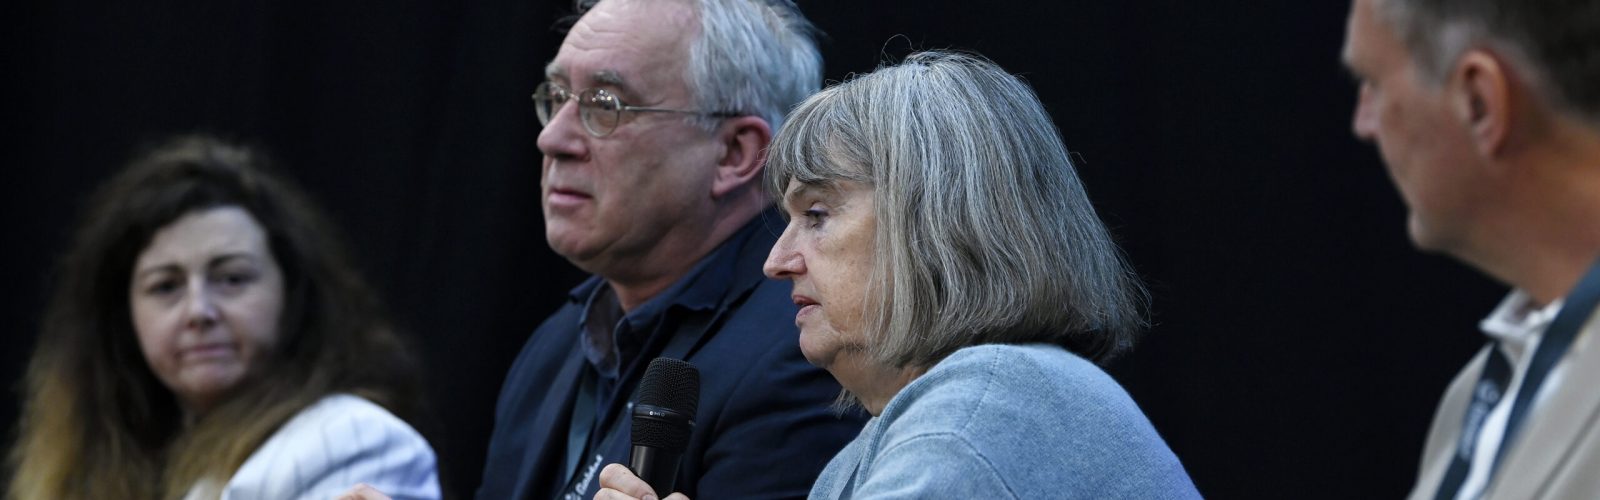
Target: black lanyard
x,y
583,439
1491,387
1579,306
579,436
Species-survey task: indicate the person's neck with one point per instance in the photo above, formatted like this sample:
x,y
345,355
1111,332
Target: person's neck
x,y
193,411
633,292
870,383
886,388
672,259
1550,236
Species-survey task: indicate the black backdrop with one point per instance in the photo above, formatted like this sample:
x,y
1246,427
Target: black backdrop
x,y
1299,346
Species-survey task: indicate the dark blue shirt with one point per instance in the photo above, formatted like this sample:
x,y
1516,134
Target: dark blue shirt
x,y
764,427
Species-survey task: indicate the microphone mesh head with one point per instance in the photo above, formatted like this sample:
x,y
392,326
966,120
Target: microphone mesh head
x,y
662,434
671,384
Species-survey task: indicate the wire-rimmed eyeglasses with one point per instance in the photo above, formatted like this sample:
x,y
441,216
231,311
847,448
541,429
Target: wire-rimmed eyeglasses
x,y
599,110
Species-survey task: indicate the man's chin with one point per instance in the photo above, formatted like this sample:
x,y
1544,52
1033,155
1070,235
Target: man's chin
x,y
566,244
1428,238
1416,232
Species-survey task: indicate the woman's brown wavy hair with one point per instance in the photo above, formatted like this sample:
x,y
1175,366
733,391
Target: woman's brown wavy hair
x,y
97,423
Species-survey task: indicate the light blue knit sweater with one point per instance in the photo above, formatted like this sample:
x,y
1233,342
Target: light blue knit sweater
x,y
1007,421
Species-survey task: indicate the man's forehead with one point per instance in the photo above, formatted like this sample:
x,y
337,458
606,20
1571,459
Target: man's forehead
x,y
625,45
1369,39
1357,25
555,71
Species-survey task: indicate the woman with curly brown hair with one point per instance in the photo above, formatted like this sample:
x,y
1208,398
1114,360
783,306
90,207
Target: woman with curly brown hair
x,y
208,339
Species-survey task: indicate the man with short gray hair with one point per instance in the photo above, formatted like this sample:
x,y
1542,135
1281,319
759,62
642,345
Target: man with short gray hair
x,y
656,116
1487,113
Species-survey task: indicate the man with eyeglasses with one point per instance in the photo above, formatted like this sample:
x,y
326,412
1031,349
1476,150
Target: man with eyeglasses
x,y
656,117
1487,114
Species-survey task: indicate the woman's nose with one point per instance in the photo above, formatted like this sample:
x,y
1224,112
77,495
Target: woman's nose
x,y
784,261
201,311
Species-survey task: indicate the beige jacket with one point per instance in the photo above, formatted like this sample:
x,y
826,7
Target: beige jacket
x,y
1557,452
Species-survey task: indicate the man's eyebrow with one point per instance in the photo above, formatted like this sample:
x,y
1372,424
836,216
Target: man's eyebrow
x,y
614,79
609,77
554,71
1350,72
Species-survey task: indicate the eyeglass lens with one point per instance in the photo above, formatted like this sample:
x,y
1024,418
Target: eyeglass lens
x,y
599,110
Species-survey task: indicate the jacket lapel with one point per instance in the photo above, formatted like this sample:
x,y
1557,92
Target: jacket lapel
x,y
1553,433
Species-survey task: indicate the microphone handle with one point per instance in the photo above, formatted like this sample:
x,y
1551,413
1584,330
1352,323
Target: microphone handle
x,y
656,466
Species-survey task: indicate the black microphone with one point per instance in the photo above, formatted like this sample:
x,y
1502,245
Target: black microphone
x,y
663,419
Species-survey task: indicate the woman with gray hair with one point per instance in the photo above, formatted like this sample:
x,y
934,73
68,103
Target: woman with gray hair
x,y
952,275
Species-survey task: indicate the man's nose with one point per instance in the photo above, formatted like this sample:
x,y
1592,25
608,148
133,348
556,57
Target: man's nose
x,y
564,137
1364,122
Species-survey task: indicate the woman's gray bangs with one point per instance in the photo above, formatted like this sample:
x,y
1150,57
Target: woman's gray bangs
x,y
811,148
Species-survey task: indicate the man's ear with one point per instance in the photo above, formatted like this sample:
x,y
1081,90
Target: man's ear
x,y
1483,99
745,140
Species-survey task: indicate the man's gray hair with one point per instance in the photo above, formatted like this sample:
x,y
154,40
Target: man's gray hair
x,y
756,57
753,56
1555,43
984,233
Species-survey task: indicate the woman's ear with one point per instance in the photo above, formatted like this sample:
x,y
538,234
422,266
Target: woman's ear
x,y
745,139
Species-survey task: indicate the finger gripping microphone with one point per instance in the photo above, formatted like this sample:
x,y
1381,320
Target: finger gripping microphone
x,y
663,419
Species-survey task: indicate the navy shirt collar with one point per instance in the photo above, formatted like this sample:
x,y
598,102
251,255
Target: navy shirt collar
x,y
705,287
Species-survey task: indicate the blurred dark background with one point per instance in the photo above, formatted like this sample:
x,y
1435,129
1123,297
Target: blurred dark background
x,y
1299,346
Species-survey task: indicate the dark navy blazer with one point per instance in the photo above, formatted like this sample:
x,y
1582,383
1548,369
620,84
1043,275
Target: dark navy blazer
x,y
764,427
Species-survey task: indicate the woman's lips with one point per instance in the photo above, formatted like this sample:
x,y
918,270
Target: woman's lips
x,y
208,352
807,307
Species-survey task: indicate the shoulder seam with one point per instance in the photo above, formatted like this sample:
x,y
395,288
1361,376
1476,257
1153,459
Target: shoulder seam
x,y
988,384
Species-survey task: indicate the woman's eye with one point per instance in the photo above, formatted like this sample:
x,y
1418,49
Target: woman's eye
x,y
162,288
235,280
814,216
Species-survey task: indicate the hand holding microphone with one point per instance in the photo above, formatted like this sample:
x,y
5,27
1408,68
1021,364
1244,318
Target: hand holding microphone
x,y
619,483
663,420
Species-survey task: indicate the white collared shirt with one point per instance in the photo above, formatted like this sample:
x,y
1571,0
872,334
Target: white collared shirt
x,y
1518,325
